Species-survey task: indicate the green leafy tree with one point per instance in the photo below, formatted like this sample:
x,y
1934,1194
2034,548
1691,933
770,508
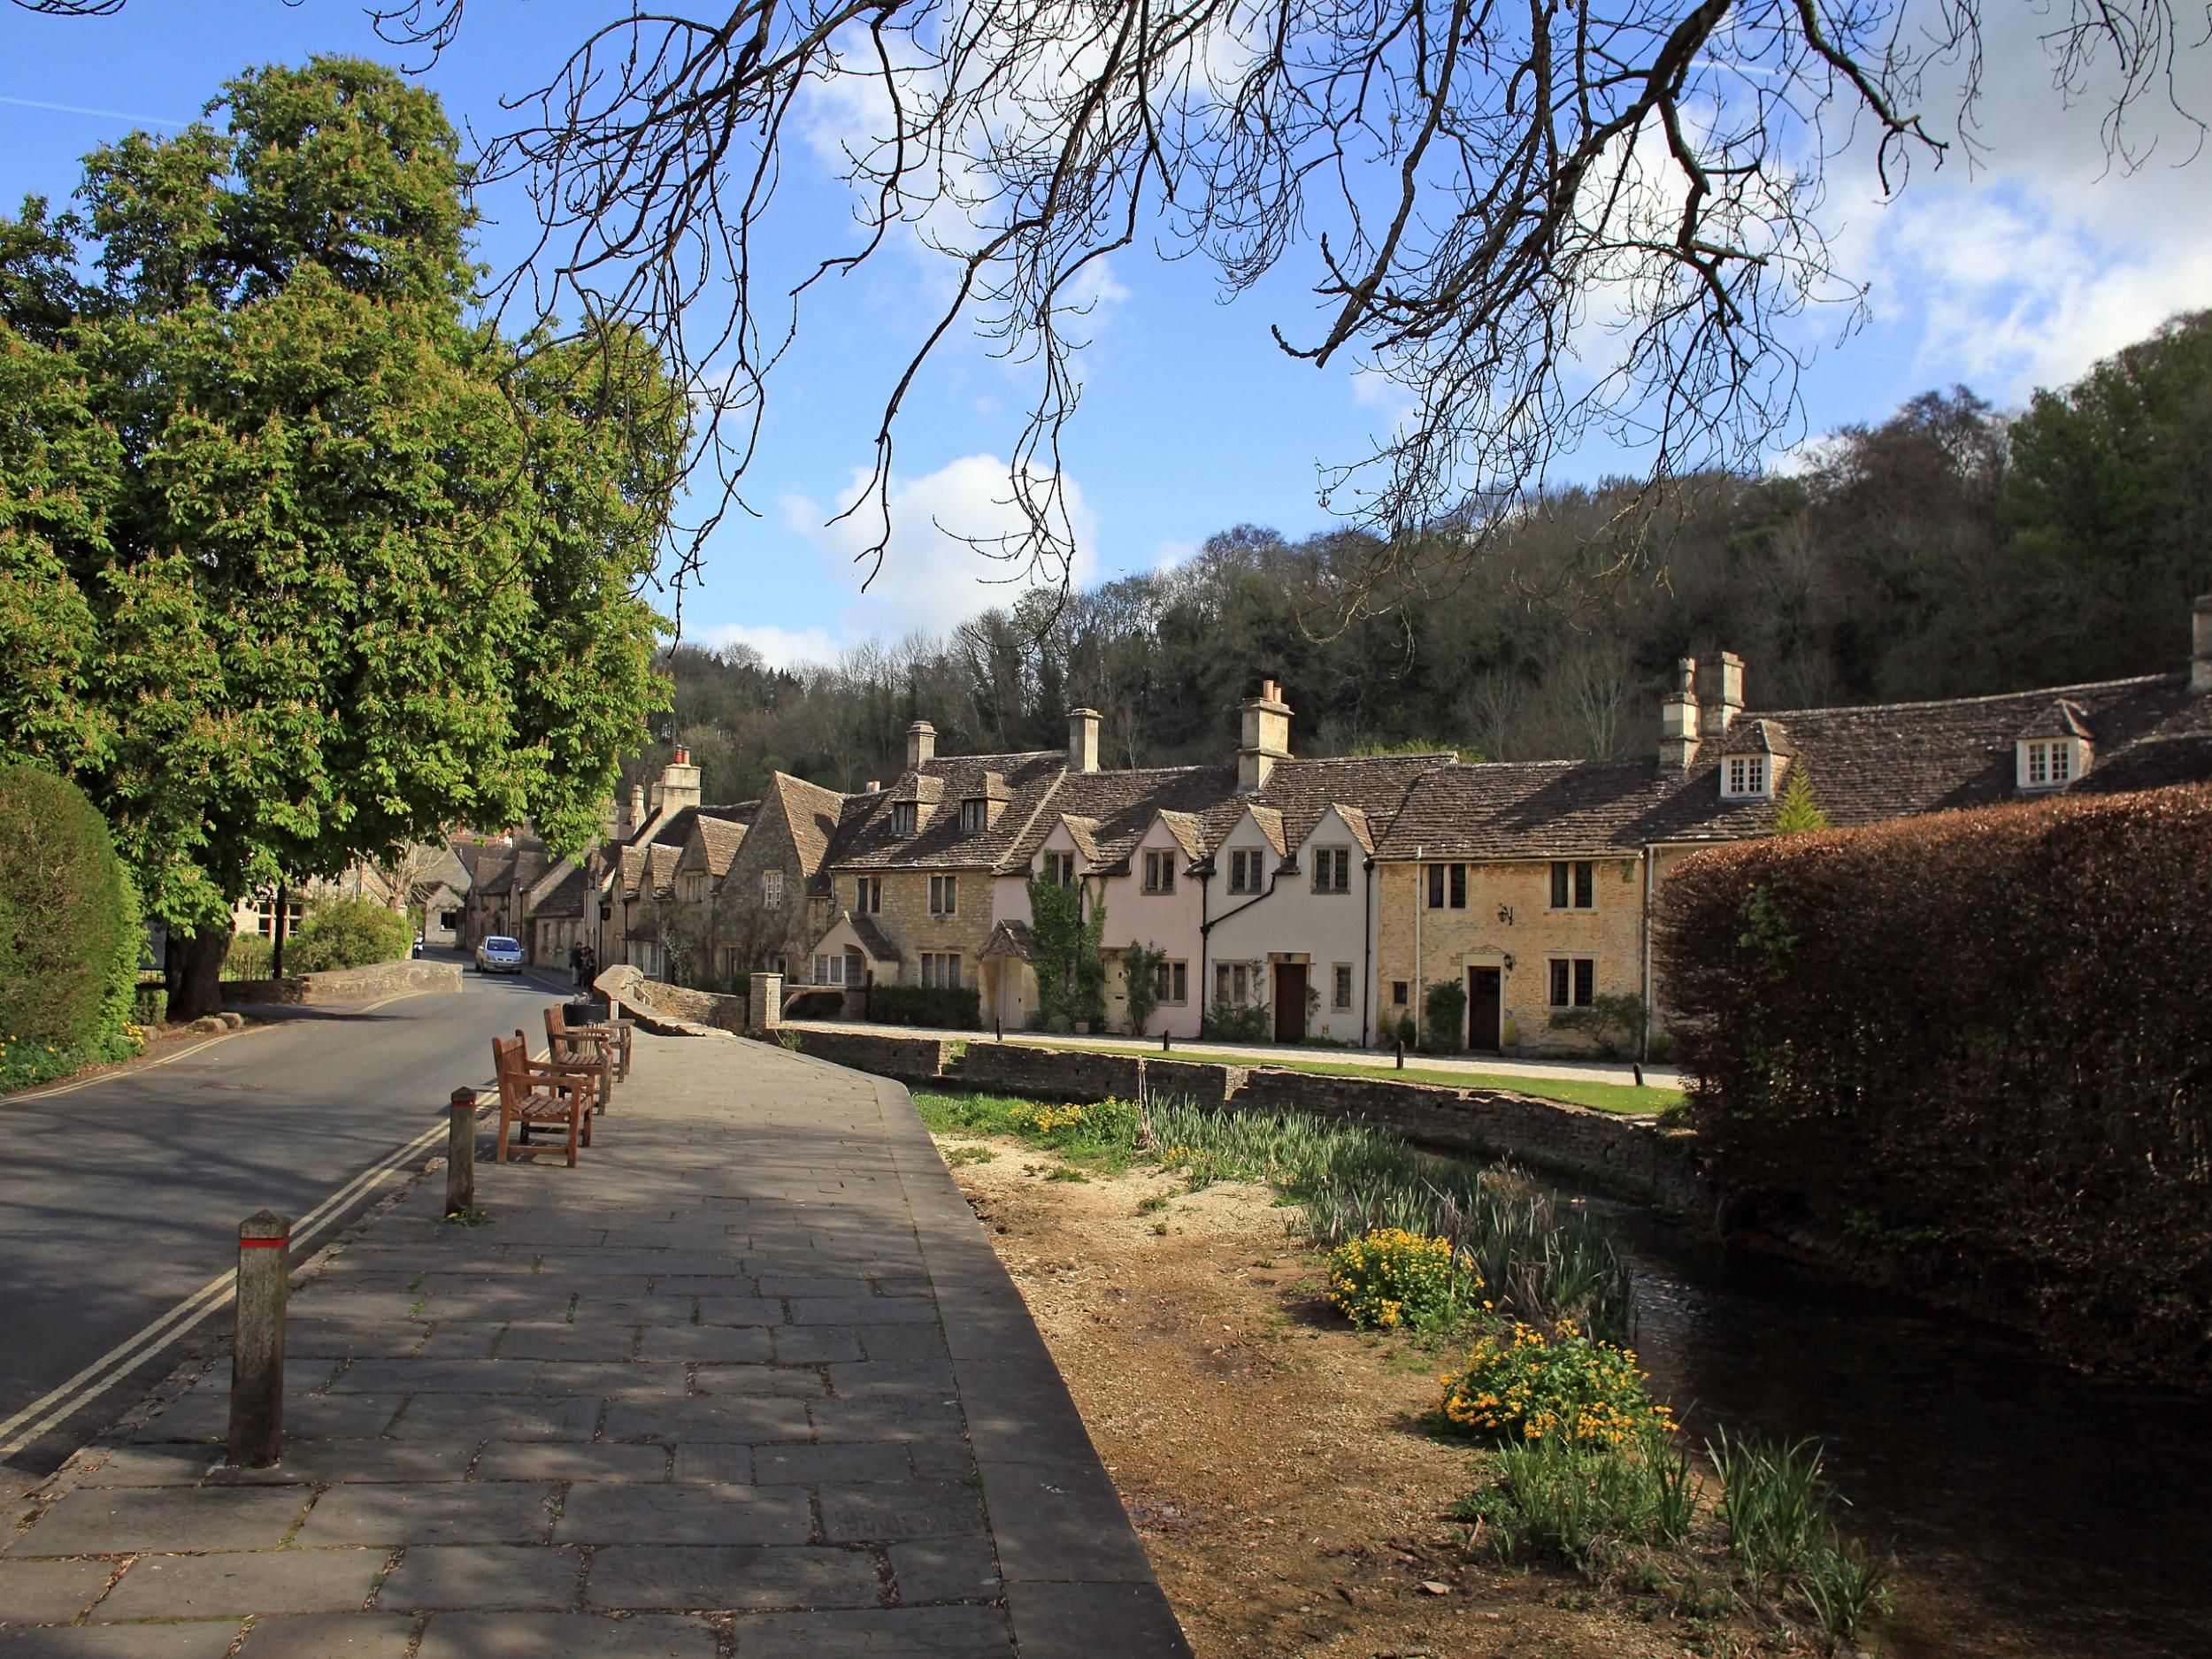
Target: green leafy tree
x,y
1070,965
305,564
1799,811
347,934
1444,1011
69,934
1140,980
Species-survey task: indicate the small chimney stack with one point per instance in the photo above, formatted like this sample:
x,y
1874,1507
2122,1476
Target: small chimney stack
x,y
2201,645
1678,719
1266,737
1082,740
921,745
1724,701
678,787
636,820
874,786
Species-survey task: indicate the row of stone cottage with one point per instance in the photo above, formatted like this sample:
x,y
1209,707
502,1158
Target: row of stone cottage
x,y
1327,893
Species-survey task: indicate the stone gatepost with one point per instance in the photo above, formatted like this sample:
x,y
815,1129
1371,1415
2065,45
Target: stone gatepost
x,y
764,1003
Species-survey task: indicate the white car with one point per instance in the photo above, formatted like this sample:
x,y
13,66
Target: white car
x,y
499,955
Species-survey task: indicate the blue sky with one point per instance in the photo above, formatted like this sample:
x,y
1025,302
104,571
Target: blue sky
x,y
2008,277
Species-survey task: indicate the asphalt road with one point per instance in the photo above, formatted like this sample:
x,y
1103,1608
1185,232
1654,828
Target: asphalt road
x,y
121,1199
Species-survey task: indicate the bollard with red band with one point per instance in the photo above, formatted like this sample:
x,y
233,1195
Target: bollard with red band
x,y
460,1153
257,1347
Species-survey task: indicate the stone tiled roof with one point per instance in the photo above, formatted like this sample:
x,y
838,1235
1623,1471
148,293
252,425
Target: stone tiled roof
x,y
1117,808
718,839
501,870
872,937
864,840
1302,790
566,895
1757,735
1012,938
2061,719
1865,765
661,860
811,811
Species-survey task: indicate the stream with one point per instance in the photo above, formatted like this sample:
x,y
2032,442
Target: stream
x,y
2038,1513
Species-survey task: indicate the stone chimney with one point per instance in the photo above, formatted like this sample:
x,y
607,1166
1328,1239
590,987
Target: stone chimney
x,y
874,786
1724,700
1266,737
1678,719
680,783
635,821
1082,740
2200,644
921,745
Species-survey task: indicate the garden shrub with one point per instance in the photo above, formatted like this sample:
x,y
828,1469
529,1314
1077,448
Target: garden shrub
x,y
1444,1011
248,957
1524,1384
949,1007
70,941
1555,1497
1614,1020
1977,1040
1237,1022
347,934
1390,1278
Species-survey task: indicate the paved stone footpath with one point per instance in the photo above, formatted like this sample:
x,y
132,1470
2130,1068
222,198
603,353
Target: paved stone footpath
x,y
748,1384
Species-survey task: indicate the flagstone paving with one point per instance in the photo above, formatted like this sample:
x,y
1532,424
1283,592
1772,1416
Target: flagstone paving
x,y
749,1383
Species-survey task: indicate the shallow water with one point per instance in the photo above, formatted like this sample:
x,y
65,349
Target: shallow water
x,y
2036,1511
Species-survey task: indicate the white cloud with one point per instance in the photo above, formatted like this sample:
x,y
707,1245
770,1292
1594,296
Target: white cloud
x,y
779,647
933,578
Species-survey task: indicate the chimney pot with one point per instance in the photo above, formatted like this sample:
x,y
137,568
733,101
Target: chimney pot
x,y
1082,740
2200,644
874,786
921,745
1678,720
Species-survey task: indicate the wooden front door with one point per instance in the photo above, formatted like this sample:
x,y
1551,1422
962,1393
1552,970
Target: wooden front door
x,y
1290,1002
1485,1003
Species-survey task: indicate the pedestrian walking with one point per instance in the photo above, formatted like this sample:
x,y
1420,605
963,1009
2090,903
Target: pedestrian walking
x,y
576,963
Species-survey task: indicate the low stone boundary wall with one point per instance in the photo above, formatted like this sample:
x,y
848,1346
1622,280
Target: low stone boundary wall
x,y
700,1008
347,984
1576,1142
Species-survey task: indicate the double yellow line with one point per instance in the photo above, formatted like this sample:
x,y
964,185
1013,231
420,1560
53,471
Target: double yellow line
x,y
51,1410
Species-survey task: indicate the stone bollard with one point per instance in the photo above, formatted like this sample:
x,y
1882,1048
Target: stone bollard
x,y
1402,1054
460,1152
1166,1045
764,1003
256,1345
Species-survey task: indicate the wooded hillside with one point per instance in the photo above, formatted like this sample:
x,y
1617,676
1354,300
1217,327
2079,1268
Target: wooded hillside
x,y
1953,549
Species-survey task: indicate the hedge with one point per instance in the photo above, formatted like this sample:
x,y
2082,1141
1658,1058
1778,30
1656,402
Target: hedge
x,y
70,941
347,934
1980,1043
957,1008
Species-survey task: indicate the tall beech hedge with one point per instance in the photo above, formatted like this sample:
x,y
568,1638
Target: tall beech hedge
x,y
1981,1041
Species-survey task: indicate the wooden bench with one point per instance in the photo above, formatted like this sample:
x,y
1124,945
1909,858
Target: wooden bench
x,y
614,1034
582,1050
532,1094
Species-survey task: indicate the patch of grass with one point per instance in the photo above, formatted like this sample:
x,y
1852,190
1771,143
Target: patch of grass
x,y
469,1215
1061,1172
1602,1096
1158,1201
959,1156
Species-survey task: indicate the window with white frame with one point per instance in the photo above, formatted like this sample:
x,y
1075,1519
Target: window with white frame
x,y
2046,763
868,896
1447,886
975,816
1159,872
944,896
1746,777
902,817
1170,984
1245,872
1340,986
830,970
941,969
772,889
1332,870
1574,981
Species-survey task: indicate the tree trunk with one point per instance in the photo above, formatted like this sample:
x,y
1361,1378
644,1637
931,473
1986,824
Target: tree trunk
x,y
195,966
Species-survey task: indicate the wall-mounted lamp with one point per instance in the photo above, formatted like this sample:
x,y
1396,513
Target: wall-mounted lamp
x,y
1509,961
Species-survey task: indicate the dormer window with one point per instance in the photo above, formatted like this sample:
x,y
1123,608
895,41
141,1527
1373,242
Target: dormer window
x,y
1059,870
1245,872
1746,778
975,816
902,817
2049,763
1159,872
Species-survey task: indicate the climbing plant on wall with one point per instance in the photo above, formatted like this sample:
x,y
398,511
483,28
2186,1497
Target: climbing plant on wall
x,y
1070,971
